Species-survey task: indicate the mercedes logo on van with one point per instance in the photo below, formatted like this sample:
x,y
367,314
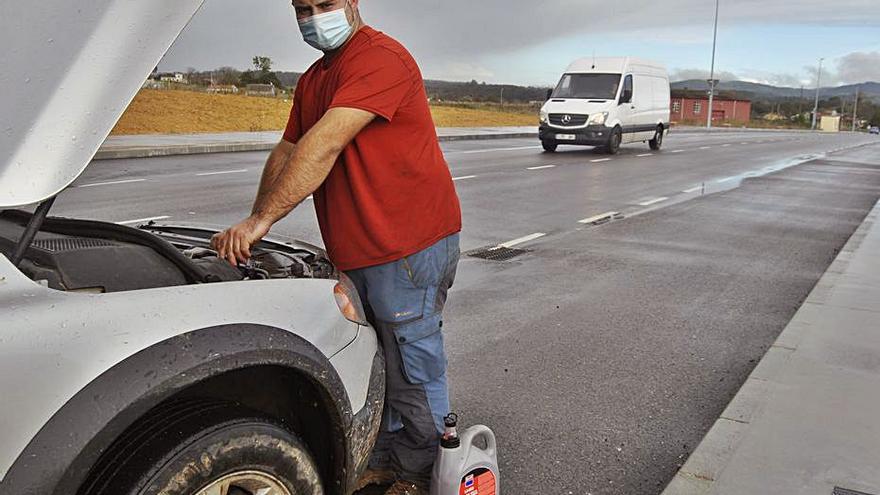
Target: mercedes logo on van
x,y
566,119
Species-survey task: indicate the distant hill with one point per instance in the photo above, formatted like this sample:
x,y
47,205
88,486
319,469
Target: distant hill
x,y
483,92
869,90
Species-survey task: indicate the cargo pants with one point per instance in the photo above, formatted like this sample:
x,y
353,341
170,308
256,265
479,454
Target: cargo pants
x,y
404,302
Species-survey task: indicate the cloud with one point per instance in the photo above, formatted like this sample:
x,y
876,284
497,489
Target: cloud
x,y
859,67
686,74
461,71
442,34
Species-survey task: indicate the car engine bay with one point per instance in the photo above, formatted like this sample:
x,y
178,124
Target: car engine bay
x,y
101,257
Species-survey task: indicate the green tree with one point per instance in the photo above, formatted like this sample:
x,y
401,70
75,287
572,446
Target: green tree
x,y
262,64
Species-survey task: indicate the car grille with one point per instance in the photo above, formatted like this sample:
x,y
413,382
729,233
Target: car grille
x,y
573,120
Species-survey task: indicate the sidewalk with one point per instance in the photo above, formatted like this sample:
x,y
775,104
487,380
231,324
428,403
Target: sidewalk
x,y
148,145
807,420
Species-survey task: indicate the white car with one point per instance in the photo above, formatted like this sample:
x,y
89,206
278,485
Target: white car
x,y
607,102
134,360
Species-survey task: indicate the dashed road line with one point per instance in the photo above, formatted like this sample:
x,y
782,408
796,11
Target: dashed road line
x,y
143,220
521,240
725,145
491,150
693,189
222,172
705,147
645,154
599,217
653,201
542,167
464,177
677,151
726,179
599,160
110,183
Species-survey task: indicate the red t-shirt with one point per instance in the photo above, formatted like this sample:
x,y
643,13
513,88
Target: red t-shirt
x,y
390,194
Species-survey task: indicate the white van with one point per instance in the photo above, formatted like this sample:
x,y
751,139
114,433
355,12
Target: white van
x,y
607,102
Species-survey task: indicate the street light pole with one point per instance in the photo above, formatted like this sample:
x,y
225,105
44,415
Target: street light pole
x,y
816,105
712,70
856,110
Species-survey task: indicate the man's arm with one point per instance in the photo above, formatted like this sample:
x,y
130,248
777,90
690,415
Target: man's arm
x,y
275,164
282,188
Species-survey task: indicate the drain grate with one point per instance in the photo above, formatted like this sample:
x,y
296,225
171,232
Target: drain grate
x,y
496,253
843,491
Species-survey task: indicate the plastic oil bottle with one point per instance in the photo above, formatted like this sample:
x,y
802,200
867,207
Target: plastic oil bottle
x,y
462,467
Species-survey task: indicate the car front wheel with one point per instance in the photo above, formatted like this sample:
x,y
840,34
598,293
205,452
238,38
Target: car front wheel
x,y
549,146
614,141
213,452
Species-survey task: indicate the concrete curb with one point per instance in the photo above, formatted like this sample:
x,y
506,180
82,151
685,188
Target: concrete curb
x,y
121,152
698,475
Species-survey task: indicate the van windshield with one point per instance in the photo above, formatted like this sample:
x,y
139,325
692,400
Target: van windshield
x,y
588,86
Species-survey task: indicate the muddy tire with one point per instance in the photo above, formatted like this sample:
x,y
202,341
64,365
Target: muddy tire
x,y
202,452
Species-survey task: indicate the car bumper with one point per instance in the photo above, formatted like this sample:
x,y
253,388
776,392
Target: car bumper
x,y
365,423
594,135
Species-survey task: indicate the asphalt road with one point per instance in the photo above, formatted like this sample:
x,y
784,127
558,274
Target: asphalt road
x,y
602,355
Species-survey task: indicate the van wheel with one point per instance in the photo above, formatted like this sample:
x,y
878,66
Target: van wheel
x,y
549,146
207,450
657,142
614,141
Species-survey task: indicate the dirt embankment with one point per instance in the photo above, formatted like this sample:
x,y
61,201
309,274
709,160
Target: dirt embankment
x,y
179,112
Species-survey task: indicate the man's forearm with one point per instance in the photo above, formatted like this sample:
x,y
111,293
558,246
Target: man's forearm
x,y
309,163
275,164
303,171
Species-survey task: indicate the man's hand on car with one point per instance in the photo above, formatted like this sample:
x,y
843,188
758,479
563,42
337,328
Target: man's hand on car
x,y
234,244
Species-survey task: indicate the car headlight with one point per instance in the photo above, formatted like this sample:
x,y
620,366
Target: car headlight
x,y
544,116
598,118
349,302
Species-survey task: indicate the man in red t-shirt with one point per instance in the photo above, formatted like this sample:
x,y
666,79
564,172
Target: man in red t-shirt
x,y
361,138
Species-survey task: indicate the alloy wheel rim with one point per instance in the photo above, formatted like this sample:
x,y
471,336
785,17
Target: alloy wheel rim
x,y
252,482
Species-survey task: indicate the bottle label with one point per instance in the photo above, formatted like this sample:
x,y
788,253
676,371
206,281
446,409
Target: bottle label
x,y
478,482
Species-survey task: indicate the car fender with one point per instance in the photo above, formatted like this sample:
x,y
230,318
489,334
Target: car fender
x,y
60,456
53,344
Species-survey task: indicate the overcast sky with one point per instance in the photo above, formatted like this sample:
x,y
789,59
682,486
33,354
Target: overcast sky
x,y
530,42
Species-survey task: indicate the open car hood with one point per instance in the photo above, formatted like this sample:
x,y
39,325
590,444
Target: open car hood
x,y
69,70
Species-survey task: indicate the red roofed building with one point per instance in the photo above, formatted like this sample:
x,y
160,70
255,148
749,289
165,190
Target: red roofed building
x,y
724,109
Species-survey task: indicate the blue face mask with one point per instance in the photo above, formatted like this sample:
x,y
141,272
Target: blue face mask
x,y
327,31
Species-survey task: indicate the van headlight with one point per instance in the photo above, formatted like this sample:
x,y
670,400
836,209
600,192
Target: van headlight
x,y
598,118
544,116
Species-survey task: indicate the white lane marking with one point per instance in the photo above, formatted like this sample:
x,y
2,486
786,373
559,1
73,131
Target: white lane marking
x,y
143,220
726,179
223,172
596,218
464,177
653,201
725,145
129,181
600,160
492,150
542,167
744,142
693,189
521,240
677,151
705,147
645,154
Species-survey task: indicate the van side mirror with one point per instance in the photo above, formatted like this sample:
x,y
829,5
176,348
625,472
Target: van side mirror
x,y
549,93
626,96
